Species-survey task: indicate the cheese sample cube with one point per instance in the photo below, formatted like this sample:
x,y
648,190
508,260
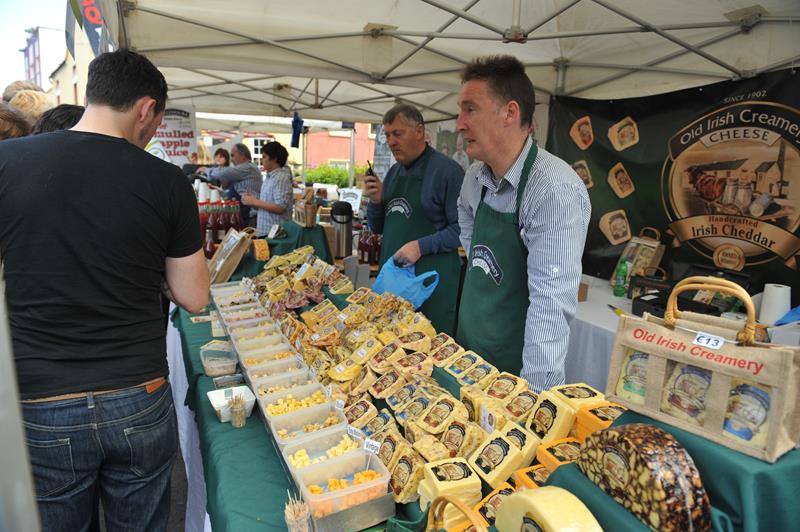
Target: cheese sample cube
x,y
463,363
413,409
480,374
386,385
360,413
382,421
520,406
415,341
472,397
649,473
592,418
440,340
401,396
496,459
577,395
549,509
685,392
430,448
632,379
531,477
504,386
445,354
393,445
488,507
440,412
526,442
406,475
551,418
558,452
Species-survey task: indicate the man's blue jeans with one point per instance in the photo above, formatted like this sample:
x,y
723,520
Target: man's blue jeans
x,y
118,446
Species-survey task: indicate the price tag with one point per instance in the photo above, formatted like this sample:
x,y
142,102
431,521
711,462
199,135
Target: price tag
x,y
339,368
372,446
329,391
354,432
709,340
300,359
273,231
487,420
339,405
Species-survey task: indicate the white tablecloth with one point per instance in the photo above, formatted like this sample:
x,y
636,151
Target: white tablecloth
x,y
592,334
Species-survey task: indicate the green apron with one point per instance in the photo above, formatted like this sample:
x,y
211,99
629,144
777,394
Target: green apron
x,y
494,301
406,221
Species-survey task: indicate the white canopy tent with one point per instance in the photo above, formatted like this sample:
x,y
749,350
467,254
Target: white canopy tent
x,y
352,60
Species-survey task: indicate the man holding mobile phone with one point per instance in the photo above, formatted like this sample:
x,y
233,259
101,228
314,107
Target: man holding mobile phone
x,y
415,210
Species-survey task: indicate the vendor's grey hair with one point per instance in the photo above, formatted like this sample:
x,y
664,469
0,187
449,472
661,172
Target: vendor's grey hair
x,y
409,112
242,149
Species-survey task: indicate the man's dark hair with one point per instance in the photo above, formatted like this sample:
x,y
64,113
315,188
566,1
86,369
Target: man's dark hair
x,y
118,79
243,150
63,116
225,155
276,151
507,80
409,112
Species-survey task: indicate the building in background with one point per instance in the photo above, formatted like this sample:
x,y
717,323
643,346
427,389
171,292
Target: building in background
x,y
43,51
68,79
333,147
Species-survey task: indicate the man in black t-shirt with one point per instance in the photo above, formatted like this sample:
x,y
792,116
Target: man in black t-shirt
x,y
92,230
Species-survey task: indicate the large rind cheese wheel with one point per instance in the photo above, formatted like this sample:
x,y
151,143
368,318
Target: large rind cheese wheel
x,y
649,473
549,509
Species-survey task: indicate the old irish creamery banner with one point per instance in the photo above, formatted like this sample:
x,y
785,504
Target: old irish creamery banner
x,y
716,169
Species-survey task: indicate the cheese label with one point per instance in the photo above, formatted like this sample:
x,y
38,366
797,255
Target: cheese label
x,y
492,455
414,408
747,411
476,374
384,354
378,423
463,363
401,473
439,412
453,437
401,396
354,432
517,437
538,474
439,340
687,394
451,471
616,468
411,338
577,392
356,411
633,376
487,419
566,451
502,386
521,404
607,413
445,352
543,418
387,449
529,524
412,360
384,382
488,509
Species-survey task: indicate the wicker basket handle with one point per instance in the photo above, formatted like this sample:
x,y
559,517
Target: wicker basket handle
x,y
655,269
436,514
651,229
672,314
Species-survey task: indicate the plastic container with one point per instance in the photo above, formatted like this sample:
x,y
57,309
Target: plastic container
x,y
339,468
219,400
226,288
299,421
218,358
289,381
317,447
232,317
235,299
271,369
299,393
254,332
259,357
246,325
256,342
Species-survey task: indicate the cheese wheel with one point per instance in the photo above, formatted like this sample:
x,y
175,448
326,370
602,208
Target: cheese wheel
x,y
488,507
463,363
649,473
382,421
685,392
577,395
496,459
551,418
519,406
440,412
531,477
445,354
386,385
405,478
558,452
548,509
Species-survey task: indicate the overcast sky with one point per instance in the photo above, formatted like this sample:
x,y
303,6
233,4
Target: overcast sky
x,y
15,18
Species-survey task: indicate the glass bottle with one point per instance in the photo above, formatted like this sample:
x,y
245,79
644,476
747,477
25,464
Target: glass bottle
x,y
209,247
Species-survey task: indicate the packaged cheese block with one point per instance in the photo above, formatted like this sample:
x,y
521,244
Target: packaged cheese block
x,y
446,354
531,477
632,380
551,418
412,431
304,273
463,363
352,399
504,386
649,473
360,413
383,421
440,412
393,445
577,395
496,459
548,509
558,452
324,337
519,406
488,507
526,442
415,341
381,362
422,324
591,418
278,285
406,475
386,385
472,397
440,340
412,409
359,295
346,371
430,448
416,363
453,477
685,392
362,381
366,350
480,374
356,337
386,337
747,412
401,396
492,415
342,286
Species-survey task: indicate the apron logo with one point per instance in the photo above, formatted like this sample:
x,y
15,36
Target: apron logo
x,y
401,206
483,258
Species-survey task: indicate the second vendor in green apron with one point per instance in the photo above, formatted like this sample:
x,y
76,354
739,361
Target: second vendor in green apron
x,y
415,210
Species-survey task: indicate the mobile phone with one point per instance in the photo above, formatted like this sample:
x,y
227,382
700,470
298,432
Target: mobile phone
x,y
370,171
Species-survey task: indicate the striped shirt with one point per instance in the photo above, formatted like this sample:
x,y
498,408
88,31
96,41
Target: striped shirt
x,y
554,217
277,188
244,177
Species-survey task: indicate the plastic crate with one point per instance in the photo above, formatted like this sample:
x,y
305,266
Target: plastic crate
x,y
296,423
218,358
317,447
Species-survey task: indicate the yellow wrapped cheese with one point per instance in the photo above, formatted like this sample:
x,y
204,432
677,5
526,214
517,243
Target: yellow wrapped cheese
x,y
472,397
496,459
526,442
430,448
549,509
359,295
402,396
360,413
406,475
488,507
366,350
393,445
551,418
386,337
441,412
422,324
462,437
463,363
278,285
577,395
361,383
381,362
381,422
415,341
505,386
519,406
416,363
440,340
412,431
387,384
492,415
342,286
531,477
446,354
480,374
346,371
412,409
558,452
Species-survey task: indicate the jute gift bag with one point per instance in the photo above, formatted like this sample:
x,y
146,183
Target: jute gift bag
x,y
703,378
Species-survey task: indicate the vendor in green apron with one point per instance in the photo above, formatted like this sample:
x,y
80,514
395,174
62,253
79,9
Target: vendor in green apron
x,y
523,214
415,210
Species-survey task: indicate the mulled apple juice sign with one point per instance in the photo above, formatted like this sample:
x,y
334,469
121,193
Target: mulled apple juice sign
x,y
177,135
731,184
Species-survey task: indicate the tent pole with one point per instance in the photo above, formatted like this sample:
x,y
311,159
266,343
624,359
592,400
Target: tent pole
x,y
466,16
352,156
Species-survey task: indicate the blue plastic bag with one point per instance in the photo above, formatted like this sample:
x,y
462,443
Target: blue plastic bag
x,y
404,282
790,317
